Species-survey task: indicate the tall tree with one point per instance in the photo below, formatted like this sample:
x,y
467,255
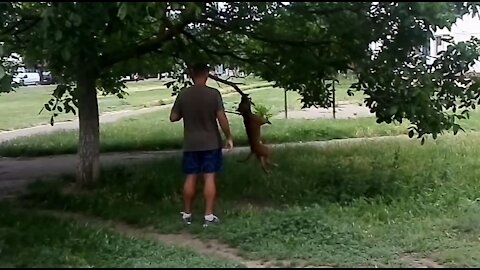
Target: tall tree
x,y
300,46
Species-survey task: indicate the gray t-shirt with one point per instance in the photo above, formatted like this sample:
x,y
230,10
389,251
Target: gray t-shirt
x,y
198,105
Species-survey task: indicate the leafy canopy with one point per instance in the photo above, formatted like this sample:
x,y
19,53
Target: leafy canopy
x,y
300,46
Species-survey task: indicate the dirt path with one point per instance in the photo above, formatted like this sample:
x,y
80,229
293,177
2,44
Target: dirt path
x,y
183,240
419,262
211,247
71,125
344,110
17,173
107,117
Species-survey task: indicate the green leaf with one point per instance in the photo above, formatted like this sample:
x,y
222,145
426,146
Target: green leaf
x,y
58,35
175,5
122,11
393,110
456,128
197,11
76,19
2,72
66,54
59,91
5,84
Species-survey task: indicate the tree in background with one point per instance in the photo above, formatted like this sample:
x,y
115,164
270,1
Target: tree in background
x,y
300,46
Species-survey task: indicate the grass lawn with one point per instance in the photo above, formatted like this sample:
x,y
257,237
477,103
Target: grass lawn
x,y
31,240
21,108
351,205
157,133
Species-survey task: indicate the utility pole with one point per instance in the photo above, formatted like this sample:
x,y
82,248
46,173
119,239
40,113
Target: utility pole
x,y
333,105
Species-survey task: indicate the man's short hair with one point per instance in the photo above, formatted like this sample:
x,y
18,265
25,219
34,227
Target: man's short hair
x,y
199,69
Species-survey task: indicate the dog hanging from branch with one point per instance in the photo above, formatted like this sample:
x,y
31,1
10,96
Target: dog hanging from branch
x,y
253,124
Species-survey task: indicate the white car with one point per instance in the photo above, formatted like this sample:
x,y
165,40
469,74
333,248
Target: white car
x,y
27,78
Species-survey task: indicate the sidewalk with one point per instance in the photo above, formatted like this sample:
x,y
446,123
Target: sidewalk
x,y
17,173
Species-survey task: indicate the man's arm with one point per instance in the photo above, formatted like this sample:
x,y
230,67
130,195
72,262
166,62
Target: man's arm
x,y
223,121
176,114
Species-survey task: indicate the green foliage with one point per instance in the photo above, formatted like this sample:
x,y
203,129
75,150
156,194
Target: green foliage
x,y
301,46
263,111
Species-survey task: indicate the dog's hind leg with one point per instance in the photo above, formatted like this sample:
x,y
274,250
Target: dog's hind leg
x,y
248,157
271,163
264,165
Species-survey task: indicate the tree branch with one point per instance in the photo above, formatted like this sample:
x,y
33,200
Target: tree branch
x,y
145,47
332,11
289,42
16,27
218,53
232,84
233,112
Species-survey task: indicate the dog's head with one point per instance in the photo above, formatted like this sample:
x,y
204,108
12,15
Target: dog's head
x,y
245,106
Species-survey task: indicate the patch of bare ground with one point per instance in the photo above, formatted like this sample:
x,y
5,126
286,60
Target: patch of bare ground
x,y
415,261
184,239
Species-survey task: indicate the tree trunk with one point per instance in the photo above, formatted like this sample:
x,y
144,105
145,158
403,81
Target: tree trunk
x,y
89,138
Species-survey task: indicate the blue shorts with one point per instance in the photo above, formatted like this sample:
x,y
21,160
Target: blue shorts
x,y
197,162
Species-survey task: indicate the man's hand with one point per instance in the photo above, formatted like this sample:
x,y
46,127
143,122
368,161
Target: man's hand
x,y
229,144
174,116
223,121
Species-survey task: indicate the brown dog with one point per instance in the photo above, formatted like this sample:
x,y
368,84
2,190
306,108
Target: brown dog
x,y
253,124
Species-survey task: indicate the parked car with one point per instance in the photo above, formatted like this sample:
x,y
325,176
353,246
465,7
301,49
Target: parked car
x,y
27,78
132,77
47,78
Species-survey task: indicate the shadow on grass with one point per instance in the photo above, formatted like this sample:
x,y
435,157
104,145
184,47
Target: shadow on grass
x,y
350,205
305,176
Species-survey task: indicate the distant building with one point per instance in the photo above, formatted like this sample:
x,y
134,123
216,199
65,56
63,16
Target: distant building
x,y
462,30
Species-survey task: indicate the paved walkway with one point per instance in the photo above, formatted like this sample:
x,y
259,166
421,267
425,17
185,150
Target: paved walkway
x,y
108,117
344,110
16,173
71,125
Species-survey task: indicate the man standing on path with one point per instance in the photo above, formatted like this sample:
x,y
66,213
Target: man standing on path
x,y
200,107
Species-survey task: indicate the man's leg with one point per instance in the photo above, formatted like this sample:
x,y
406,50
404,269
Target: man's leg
x,y
209,192
191,168
212,163
189,192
